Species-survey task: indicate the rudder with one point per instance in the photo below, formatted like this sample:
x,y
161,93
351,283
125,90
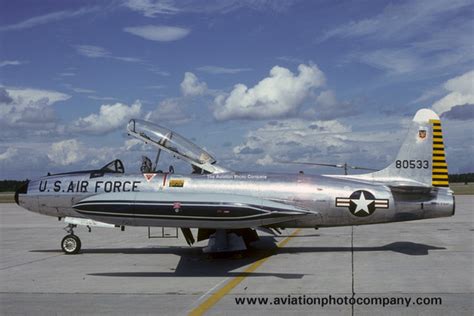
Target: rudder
x,y
440,166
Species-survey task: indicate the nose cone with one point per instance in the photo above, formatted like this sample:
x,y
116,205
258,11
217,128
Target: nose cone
x,y
21,190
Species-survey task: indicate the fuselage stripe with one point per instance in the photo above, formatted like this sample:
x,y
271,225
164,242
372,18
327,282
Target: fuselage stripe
x,y
187,205
138,215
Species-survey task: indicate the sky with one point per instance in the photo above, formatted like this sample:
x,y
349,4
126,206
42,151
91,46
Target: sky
x,y
253,82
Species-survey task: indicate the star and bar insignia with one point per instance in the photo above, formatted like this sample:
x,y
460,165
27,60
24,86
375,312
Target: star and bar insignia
x,y
361,203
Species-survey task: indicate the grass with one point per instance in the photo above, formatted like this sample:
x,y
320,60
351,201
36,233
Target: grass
x,y
458,188
462,189
7,197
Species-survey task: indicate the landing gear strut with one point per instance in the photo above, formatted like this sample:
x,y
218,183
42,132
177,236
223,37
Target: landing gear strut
x,y
71,244
222,240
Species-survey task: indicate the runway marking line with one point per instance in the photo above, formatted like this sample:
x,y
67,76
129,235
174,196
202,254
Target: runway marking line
x,y
217,296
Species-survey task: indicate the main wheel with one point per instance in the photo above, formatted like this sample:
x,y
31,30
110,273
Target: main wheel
x,y
71,244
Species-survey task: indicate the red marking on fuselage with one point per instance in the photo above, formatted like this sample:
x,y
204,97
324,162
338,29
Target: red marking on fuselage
x,y
164,179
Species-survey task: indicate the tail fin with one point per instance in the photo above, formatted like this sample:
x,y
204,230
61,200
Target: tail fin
x,y
421,157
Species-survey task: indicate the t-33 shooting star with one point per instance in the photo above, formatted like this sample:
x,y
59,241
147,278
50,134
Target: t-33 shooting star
x,y
228,206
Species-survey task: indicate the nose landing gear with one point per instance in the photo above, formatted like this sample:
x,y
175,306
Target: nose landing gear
x,y
71,244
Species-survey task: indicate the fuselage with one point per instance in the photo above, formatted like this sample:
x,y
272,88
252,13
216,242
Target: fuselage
x,y
229,200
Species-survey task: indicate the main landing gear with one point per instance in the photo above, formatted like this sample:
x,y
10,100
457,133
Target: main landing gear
x,y
228,241
71,244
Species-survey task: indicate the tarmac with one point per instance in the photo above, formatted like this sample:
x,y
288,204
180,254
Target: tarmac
x,y
125,273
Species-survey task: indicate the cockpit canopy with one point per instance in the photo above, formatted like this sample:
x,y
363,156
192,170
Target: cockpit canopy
x,y
175,144
115,166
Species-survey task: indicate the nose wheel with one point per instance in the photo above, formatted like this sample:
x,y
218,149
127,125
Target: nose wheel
x,y
71,244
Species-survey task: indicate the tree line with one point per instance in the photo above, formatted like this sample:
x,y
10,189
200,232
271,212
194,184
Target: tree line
x,y
11,185
462,177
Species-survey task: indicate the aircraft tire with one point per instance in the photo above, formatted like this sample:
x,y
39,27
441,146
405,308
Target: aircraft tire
x,y
71,244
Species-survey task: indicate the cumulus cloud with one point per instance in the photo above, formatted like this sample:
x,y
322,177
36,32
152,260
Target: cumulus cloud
x,y
330,141
5,96
459,141
77,155
169,110
267,160
66,152
463,112
33,158
109,118
293,139
19,161
280,94
192,86
160,33
27,106
9,153
326,98
327,107
461,91
134,144
28,96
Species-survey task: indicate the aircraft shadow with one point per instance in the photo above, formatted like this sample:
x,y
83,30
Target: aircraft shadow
x,y
403,247
297,236
200,274
259,249
194,263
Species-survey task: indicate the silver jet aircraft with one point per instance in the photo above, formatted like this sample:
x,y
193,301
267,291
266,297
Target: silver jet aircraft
x,y
228,206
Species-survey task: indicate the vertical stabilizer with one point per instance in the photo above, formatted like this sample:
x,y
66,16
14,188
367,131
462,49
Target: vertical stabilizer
x,y
422,156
